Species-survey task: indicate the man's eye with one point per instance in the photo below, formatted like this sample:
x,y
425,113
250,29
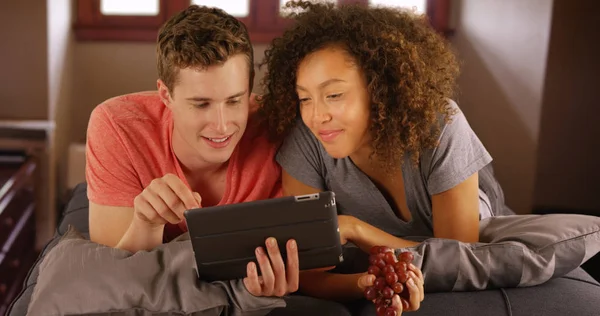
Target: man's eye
x,y
232,102
201,105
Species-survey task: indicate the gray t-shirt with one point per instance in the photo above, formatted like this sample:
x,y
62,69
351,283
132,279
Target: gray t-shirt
x,y
459,155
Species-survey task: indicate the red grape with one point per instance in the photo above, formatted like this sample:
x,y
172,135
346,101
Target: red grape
x,y
373,259
398,288
406,256
374,250
405,304
389,258
391,274
390,311
374,270
379,283
391,278
387,292
381,309
383,249
370,293
402,276
388,269
400,266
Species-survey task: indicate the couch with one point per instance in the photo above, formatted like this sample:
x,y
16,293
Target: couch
x,y
573,294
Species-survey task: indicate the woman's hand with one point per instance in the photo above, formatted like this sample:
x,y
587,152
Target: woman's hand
x,y
415,289
365,236
348,228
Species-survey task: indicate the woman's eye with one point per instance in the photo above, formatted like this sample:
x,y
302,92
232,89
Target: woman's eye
x,y
334,96
303,100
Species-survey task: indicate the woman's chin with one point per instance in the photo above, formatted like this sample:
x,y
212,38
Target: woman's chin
x,y
336,153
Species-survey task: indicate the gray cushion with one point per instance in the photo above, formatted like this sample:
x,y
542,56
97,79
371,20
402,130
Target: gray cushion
x,y
80,277
575,294
75,214
515,251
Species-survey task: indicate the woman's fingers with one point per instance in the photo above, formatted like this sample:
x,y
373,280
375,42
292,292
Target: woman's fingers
x,y
365,281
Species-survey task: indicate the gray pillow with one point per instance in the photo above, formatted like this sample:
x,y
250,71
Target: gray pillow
x,y
514,251
79,277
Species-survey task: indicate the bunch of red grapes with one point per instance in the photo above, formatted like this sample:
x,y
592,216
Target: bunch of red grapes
x,y
391,274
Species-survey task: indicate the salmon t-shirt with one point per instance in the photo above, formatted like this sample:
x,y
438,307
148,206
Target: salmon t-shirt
x,y
129,145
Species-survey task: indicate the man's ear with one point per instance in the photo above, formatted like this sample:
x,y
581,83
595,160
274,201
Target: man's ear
x,y
163,92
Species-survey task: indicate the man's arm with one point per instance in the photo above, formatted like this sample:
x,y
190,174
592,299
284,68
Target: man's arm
x,y
116,227
123,213
108,224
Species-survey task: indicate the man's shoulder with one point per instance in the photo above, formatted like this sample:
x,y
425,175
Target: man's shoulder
x,y
133,107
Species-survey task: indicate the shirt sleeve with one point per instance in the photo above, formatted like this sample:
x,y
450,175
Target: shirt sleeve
x,y
300,155
110,175
458,155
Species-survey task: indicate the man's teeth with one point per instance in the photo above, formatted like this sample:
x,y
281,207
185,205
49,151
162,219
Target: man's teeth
x,y
219,140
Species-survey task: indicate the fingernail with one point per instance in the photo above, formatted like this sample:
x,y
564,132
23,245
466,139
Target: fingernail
x,y
411,282
252,266
412,266
259,251
293,244
271,241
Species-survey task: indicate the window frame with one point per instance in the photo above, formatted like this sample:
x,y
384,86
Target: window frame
x,y
263,22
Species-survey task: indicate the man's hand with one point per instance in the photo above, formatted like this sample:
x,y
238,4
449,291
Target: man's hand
x,y
164,201
277,278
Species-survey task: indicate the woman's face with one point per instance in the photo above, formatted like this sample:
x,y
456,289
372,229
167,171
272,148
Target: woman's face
x,y
334,101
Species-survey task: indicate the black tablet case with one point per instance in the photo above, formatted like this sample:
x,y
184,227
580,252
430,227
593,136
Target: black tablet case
x,y
225,237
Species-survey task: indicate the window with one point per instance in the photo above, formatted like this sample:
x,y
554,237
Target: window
x,y
418,5
237,8
130,7
139,20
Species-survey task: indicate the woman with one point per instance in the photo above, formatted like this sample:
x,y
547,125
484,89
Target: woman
x,y
373,89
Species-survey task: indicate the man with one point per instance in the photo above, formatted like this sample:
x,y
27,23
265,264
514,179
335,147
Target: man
x,y
193,143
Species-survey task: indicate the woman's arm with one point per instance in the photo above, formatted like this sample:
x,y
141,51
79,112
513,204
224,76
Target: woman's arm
x,y
455,216
456,211
330,286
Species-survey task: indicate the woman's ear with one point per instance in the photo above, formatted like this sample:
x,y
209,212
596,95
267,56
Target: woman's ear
x,y
163,92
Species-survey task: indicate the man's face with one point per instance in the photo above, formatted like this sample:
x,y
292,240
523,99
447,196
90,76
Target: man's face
x,y
210,110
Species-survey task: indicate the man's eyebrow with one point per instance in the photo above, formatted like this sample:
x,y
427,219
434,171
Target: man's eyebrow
x,y
323,84
203,99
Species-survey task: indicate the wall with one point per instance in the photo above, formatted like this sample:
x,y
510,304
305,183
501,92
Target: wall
x,y
60,82
569,146
24,75
503,47
104,70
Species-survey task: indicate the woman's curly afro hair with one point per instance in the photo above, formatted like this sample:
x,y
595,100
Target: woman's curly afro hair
x,y
409,69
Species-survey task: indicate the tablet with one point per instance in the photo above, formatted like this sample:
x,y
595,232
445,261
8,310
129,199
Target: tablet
x,y
225,237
